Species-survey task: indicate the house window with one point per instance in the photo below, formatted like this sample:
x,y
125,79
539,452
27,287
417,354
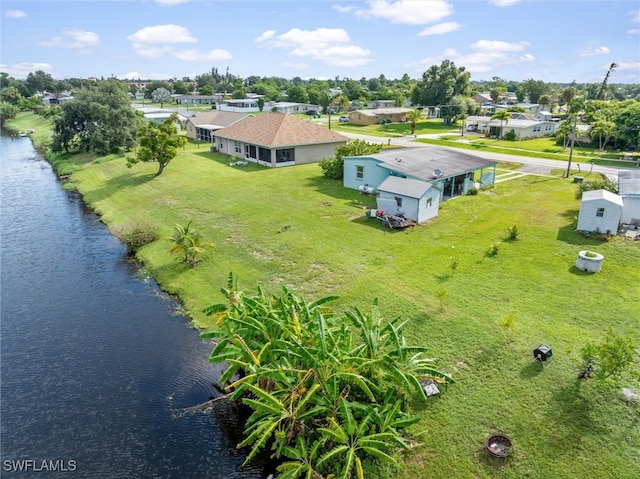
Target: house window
x,y
238,147
359,172
398,201
600,212
429,202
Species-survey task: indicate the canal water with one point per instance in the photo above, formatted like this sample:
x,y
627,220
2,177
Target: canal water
x,y
95,361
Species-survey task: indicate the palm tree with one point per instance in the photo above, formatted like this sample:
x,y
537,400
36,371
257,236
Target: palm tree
x,y
503,116
188,242
413,116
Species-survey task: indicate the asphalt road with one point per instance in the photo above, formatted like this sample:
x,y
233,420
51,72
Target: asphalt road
x,y
529,165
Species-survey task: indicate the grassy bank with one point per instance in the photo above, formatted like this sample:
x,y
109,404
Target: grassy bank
x,y
292,226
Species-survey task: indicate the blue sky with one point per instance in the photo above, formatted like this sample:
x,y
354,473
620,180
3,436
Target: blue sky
x,y
553,41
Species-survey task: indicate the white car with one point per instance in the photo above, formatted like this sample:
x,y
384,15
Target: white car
x,y
344,119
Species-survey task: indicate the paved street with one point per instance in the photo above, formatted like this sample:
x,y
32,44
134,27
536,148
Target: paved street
x,y
529,165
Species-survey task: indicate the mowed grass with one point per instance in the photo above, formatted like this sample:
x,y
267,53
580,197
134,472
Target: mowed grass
x,y
293,227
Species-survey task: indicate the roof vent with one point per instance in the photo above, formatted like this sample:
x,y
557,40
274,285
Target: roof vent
x,y
398,159
437,173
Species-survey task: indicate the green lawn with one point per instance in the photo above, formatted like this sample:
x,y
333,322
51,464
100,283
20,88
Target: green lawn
x,y
291,226
561,427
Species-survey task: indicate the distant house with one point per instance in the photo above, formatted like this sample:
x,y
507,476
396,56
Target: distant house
x,y
203,125
629,191
522,125
160,114
381,104
198,99
376,115
600,210
278,139
290,107
482,98
418,178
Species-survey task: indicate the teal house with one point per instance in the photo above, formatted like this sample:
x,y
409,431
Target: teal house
x,y
420,178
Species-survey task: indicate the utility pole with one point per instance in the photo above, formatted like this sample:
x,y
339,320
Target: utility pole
x,y
573,141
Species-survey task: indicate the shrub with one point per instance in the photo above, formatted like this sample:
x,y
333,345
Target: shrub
x,y
494,249
472,191
510,136
610,358
603,183
513,232
138,235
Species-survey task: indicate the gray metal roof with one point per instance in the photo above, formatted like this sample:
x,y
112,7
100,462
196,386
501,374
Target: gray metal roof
x,y
629,183
404,187
424,161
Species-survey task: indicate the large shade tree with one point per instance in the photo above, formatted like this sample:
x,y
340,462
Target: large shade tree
x,y
161,95
98,120
439,85
158,143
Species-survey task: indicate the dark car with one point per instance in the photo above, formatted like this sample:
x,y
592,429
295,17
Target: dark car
x,y
311,112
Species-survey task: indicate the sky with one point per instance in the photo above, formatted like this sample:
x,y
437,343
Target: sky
x,y
549,40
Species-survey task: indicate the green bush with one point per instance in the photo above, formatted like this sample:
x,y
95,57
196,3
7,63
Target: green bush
x,y
332,168
494,249
510,136
138,235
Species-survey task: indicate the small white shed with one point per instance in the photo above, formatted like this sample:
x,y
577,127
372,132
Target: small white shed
x,y
600,210
418,200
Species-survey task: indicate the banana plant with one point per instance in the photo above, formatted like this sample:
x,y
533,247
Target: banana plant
x,y
352,439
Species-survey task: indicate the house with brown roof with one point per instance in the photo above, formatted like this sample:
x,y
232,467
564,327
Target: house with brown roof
x,y
278,139
202,125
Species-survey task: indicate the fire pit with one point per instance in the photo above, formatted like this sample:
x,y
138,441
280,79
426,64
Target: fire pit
x,y
498,445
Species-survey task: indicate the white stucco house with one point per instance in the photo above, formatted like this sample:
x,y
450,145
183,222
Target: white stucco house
x,y
522,125
629,191
600,210
420,178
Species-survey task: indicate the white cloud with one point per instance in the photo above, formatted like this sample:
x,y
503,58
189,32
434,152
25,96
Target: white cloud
x,y
343,8
160,40
503,3
633,31
627,66
170,2
494,46
15,14
406,12
331,46
76,39
487,56
268,35
21,70
440,29
162,34
589,52
635,16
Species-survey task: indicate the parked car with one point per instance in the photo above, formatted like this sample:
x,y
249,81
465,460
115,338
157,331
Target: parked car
x,y
344,119
311,112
